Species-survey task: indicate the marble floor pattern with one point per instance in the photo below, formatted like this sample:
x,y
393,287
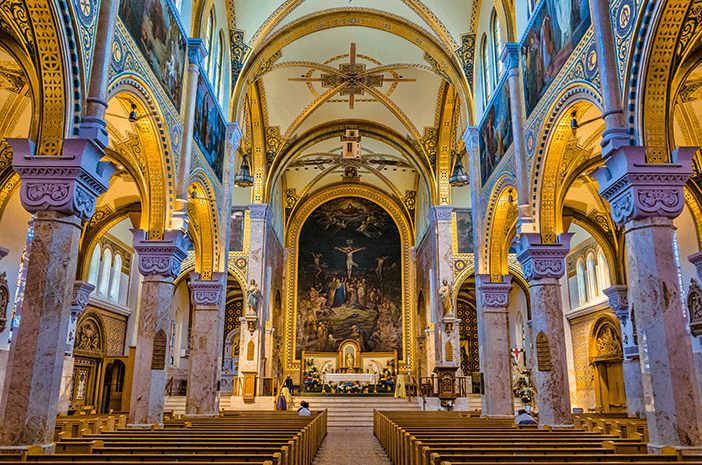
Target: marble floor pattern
x,y
355,446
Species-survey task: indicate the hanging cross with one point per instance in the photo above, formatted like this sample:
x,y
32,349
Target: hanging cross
x,y
352,75
515,354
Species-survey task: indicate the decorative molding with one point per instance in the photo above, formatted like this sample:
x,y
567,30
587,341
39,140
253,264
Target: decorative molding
x,y
495,295
261,211
81,297
69,184
440,213
510,56
161,257
618,300
206,292
542,261
696,259
637,190
197,52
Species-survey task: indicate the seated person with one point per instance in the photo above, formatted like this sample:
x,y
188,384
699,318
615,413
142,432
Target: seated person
x,y
523,418
304,410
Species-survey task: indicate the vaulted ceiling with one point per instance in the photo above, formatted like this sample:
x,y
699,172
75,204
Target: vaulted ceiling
x,y
375,78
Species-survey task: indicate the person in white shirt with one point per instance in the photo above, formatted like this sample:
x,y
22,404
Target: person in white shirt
x,y
304,410
523,418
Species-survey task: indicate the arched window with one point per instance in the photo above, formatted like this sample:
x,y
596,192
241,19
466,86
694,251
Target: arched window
x,y
116,277
591,276
105,273
209,40
485,58
602,271
94,266
217,78
580,273
496,39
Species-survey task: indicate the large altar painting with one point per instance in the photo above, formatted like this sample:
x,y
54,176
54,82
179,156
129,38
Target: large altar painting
x,y
349,278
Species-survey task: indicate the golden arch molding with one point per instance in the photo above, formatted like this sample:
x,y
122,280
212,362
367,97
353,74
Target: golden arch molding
x,y
292,240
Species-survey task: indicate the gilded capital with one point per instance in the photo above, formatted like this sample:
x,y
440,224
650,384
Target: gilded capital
x,y
161,257
539,260
495,295
207,292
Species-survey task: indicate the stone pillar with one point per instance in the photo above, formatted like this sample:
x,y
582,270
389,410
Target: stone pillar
x,y
631,366
446,326
207,298
645,198
196,56
495,361
61,192
510,58
543,266
615,134
81,295
159,263
253,331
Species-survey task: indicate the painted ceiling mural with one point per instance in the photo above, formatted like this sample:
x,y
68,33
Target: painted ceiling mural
x,y
349,281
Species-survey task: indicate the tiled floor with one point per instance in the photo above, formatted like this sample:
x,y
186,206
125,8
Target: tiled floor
x,y
355,446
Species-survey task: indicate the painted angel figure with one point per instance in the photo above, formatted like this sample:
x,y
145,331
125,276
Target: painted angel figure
x,y
253,298
446,297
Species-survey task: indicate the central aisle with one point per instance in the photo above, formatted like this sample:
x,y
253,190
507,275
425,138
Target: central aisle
x,y
351,447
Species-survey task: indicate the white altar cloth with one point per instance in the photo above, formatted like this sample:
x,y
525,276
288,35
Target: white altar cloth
x,y
334,378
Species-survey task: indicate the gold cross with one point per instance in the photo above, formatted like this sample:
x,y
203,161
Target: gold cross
x,y
354,76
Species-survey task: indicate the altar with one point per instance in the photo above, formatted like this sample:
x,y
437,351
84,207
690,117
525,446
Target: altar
x,y
336,378
348,370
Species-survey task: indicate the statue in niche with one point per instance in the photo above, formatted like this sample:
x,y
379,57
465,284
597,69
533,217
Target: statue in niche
x,y
608,342
4,301
254,292
446,297
694,303
88,337
349,360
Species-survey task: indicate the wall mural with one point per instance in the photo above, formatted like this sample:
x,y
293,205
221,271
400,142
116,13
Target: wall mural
x,y
209,132
555,30
349,281
464,230
495,131
157,33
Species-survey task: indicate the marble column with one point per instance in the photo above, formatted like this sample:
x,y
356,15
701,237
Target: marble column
x,y
446,326
207,298
645,198
510,59
495,360
81,295
61,192
253,332
196,56
159,263
631,366
543,266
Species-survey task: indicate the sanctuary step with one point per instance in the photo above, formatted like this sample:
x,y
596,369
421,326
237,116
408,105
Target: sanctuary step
x,y
355,412
176,404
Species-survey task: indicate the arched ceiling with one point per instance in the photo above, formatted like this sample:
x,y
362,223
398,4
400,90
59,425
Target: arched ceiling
x,y
15,98
351,75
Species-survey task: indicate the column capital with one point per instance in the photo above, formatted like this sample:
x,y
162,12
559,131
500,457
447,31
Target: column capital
x,y
81,296
234,135
261,211
470,138
541,260
696,259
495,295
618,300
197,52
161,257
206,292
69,184
510,56
3,252
440,213
637,190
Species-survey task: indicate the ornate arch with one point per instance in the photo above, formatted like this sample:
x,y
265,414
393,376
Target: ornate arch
x,y
269,49
202,209
547,178
155,158
292,238
500,217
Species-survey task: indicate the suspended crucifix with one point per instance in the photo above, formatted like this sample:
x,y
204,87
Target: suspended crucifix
x,y
354,76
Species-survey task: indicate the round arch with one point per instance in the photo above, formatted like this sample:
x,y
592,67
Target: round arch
x,y
499,228
292,237
553,138
202,209
156,161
